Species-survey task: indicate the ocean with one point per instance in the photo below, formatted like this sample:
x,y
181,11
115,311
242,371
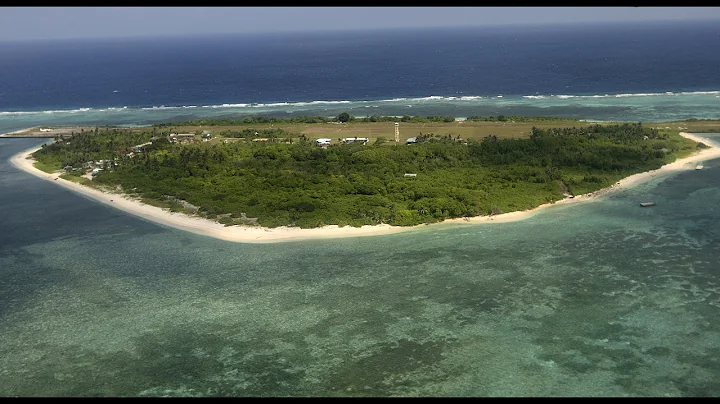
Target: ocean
x,y
602,298
627,72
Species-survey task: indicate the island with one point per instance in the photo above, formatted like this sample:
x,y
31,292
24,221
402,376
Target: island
x,y
263,179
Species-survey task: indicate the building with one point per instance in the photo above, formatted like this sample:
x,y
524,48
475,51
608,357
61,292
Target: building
x,y
175,137
363,140
323,142
411,140
140,146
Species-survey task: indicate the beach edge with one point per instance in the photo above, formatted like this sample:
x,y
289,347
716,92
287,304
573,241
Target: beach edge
x,y
256,234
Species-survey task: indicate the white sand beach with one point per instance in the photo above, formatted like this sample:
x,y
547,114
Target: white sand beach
x,y
255,234
683,164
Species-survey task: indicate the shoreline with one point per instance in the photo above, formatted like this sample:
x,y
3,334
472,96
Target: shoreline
x,y
256,234
9,134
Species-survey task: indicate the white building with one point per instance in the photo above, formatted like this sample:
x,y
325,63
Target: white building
x,y
363,140
323,142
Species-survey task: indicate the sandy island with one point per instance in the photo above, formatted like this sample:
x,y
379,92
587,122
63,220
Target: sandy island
x,y
256,234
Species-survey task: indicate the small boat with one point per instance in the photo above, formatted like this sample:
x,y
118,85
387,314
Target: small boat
x,y
699,167
646,204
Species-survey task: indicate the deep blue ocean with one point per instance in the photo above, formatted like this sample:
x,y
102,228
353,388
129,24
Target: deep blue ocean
x,y
648,72
601,298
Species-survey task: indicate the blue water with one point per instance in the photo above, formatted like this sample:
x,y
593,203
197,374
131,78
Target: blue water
x,y
602,298
649,72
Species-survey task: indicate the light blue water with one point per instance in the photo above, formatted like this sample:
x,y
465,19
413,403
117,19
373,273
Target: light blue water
x,y
641,107
603,298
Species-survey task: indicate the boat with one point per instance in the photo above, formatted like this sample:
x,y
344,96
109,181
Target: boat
x,y
699,167
646,204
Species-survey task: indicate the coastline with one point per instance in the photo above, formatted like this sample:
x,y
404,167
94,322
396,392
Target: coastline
x,y
256,234
8,134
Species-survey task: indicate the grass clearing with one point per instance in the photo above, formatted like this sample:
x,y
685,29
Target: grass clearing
x,y
48,168
75,178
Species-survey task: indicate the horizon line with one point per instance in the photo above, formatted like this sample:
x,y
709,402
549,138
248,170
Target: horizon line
x,y
317,31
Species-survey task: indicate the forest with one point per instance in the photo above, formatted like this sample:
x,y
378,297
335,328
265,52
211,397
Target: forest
x,y
297,183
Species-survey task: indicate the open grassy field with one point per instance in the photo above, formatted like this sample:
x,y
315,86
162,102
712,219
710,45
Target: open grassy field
x,y
689,126
462,129
75,178
44,167
374,130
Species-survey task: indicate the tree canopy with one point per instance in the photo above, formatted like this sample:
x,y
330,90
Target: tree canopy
x,y
297,183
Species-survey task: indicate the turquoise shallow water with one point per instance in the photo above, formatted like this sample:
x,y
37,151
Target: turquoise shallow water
x,y
598,299
632,107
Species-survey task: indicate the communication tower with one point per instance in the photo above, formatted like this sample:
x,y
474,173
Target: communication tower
x,y
397,132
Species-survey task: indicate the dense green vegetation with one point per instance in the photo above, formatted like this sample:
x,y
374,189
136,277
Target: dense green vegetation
x,y
247,121
300,184
514,118
342,117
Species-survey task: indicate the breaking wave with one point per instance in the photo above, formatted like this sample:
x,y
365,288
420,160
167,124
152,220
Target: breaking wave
x,y
407,101
625,95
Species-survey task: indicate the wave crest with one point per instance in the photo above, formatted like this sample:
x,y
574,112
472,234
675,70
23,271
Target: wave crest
x,y
366,103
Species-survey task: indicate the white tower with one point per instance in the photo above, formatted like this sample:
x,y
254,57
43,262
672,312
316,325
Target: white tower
x,y
397,132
